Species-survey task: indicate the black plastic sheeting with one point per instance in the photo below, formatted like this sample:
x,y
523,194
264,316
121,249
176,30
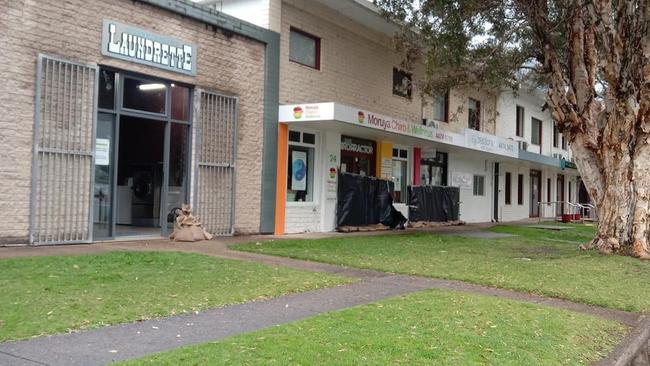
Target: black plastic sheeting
x,y
433,203
365,201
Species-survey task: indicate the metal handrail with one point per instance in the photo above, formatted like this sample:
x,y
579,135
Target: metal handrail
x,y
573,208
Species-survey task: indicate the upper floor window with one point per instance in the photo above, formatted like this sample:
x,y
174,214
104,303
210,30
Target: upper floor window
x,y
441,107
520,122
535,131
304,48
402,83
556,136
563,143
474,114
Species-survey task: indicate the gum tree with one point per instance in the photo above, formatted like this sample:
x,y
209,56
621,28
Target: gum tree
x,y
592,59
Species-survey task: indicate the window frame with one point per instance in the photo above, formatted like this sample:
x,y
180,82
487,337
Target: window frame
x,y
429,163
539,131
317,46
312,182
520,189
519,121
478,114
445,107
405,179
508,188
409,75
481,185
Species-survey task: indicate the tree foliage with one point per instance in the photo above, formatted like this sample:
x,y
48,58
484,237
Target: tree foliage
x,y
592,56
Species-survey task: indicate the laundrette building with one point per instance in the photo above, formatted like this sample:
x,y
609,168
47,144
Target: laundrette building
x,y
112,113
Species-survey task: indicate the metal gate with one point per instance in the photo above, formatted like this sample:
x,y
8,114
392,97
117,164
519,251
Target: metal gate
x,y
216,151
62,164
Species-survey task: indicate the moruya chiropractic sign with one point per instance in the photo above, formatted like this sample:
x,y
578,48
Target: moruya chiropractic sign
x,y
324,112
137,45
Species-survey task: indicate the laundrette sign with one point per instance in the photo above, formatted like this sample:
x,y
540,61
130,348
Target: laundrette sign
x,y
137,45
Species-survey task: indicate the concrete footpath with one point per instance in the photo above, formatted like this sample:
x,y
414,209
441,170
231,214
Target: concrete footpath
x,y
127,341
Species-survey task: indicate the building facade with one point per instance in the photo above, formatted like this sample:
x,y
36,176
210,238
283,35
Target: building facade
x,y
346,106
119,111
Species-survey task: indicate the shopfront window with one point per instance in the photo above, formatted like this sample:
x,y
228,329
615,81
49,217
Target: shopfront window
x,y
358,156
106,92
300,177
146,96
400,174
433,171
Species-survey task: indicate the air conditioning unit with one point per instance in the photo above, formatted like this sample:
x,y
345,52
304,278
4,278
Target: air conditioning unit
x,y
430,123
523,145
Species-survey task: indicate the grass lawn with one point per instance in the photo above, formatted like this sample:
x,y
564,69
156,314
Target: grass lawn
x,y
433,327
537,261
45,295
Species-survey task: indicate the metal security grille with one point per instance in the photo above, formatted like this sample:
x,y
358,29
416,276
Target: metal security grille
x,y
62,166
217,146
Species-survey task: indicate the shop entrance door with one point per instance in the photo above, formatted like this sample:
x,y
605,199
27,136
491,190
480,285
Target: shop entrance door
x,y
142,155
535,192
559,188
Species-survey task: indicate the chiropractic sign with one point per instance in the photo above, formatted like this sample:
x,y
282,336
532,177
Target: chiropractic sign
x,y
137,45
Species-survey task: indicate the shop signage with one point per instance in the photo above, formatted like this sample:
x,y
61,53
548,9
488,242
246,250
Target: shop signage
x,y
307,112
138,45
489,143
358,148
567,164
324,112
462,180
380,122
332,175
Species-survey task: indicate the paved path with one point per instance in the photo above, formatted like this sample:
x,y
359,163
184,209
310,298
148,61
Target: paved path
x,y
120,342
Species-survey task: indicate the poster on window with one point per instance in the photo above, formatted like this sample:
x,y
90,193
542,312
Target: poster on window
x,y
102,151
298,170
397,175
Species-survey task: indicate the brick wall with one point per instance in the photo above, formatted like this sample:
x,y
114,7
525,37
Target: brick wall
x,y
72,30
356,68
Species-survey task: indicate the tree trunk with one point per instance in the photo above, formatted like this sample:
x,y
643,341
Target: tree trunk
x,y
616,173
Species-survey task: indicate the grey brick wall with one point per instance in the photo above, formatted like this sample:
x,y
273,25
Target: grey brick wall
x,y
71,29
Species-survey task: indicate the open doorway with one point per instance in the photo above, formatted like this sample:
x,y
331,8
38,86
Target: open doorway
x,y
140,169
142,155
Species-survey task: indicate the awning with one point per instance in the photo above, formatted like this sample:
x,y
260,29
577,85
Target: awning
x,y
354,121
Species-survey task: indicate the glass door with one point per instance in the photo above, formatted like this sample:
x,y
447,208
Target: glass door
x,y
177,187
104,176
142,155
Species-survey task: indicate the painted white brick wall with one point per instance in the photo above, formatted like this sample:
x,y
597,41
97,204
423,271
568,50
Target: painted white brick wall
x,y
303,217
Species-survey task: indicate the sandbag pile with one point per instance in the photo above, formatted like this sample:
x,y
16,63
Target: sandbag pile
x,y
187,227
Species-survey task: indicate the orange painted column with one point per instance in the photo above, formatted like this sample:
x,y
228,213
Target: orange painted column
x,y
281,178
384,160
